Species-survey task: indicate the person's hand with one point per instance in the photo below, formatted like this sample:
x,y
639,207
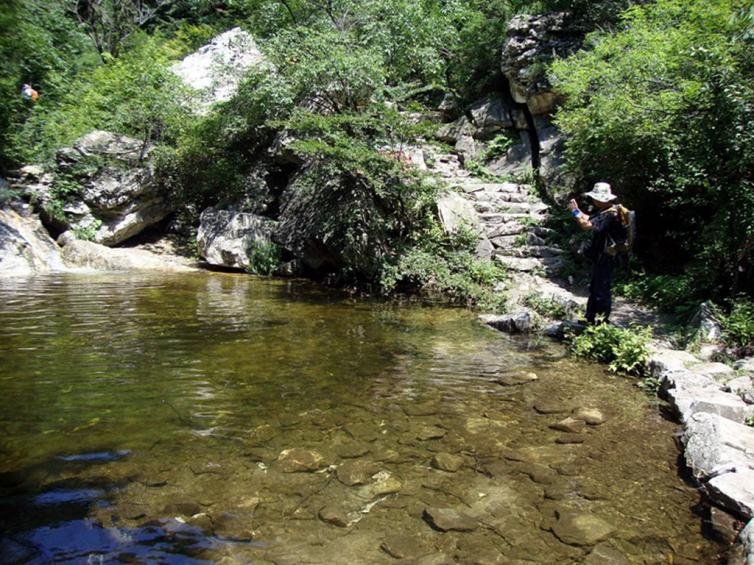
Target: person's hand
x,y
572,205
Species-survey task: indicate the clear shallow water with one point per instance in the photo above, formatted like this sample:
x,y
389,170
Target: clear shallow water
x,y
143,420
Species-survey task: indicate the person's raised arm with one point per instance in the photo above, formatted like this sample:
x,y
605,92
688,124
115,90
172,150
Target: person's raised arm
x,y
581,219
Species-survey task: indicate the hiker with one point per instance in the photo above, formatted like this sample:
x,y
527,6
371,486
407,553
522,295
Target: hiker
x,y
609,235
28,93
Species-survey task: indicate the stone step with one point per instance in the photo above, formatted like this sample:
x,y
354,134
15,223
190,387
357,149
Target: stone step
x,y
492,187
536,251
500,197
494,218
487,208
506,229
528,264
516,240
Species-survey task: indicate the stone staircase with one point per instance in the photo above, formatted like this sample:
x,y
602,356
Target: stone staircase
x,y
508,217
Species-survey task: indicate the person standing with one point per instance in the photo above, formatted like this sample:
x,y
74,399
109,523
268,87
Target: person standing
x,y
607,230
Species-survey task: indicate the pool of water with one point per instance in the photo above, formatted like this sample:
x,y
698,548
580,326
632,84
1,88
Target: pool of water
x,y
221,418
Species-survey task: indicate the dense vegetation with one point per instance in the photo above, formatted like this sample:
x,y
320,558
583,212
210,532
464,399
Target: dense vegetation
x,y
659,102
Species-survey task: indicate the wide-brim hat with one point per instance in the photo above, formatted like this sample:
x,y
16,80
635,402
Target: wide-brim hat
x,y
601,192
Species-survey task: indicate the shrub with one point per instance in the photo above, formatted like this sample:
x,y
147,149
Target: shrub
x,y
264,258
624,349
547,306
738,326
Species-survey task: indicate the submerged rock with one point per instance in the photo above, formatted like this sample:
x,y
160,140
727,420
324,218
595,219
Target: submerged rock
x,y
297,460
592,416
449,519
569,425
333,515
356,472
403,546
447,462
517,379
575,528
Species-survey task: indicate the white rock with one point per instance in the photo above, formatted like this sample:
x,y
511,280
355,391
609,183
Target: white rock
x,y
216,69
713,443
25,246
454,210
734,491
225,237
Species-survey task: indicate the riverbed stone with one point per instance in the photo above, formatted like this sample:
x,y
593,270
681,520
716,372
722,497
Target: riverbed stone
x,y
298,460
332,514
541,474
449,519
592,416
725,525
182,508
517,379
447,462
426,433
604,554
384,483
570,439
577,528
356,472
403,546
351,449
233,526
569,425
551,407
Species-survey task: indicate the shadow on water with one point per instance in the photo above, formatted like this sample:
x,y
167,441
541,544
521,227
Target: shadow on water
x,y
45,521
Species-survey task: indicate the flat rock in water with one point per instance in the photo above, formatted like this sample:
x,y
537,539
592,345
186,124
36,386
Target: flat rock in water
x,y
298,460
539,473
403,546
575,528
449,519
351,449
592,416
182,509
516,379
333,515
569,425
550,407
426,433
447,462
233,526
356,472
384,484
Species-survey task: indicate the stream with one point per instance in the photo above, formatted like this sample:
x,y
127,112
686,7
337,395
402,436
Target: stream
x,y
221,418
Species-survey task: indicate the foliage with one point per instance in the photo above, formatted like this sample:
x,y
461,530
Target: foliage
x,y
547,306
88,232
498,146
661,109
678,294
264,257
738,325
624,349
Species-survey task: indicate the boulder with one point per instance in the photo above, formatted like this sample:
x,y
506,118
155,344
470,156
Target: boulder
x,y
227,238
490,115
533,41
552,171
452,132
454,211
25,246
90,255
109,193
715,444
706,323
734,491
517,323
215,70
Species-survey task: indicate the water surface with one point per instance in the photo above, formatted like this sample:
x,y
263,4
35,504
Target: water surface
x,y
143,420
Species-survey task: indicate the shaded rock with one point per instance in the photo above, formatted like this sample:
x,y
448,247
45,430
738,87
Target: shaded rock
x,y
559,330
89,255
233,526
452,132
705,321
300,460
520,322
202,521
351,449
489,116
356,472
541,474
182,509
517,160
447,462
592,416
227,239
557,491
449,519
743,553
215,70
569,425
575,528
334,515
746,364
25,246
725,525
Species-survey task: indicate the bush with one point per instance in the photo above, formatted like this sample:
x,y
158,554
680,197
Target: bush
x,y
738,326
624,349
264,258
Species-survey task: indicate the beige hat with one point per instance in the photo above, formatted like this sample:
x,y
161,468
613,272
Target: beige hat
x,y
601,192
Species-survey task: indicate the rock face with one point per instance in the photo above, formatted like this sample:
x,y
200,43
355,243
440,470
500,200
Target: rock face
x,y
226,238
25,246
102,188
533,40
215,70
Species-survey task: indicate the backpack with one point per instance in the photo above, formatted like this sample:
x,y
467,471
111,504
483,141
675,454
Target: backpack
x,y
627,219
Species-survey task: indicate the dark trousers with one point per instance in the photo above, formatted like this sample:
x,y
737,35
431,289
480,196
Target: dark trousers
x,y
600,297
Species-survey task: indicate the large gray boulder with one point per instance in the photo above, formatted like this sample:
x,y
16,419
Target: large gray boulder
x,y
532,42
214,72
456,211
25,246
227,238
103,188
